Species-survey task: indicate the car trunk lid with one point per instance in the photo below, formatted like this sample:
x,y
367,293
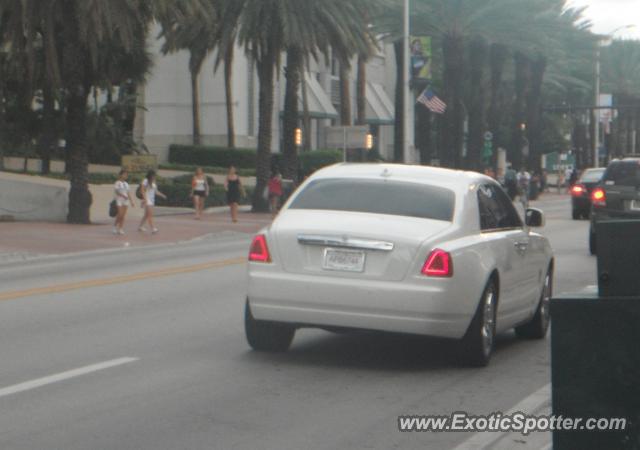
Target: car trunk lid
x,y
351,244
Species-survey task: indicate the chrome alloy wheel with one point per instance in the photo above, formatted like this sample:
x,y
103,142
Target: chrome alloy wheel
x,y
545,301
488,320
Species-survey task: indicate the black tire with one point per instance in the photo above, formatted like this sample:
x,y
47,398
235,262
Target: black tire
x,y
477,346
538,326
575,214
267,336
592,243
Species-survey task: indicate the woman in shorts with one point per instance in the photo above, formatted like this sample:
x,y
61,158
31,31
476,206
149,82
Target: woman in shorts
x,y
199,192
123,200
149,190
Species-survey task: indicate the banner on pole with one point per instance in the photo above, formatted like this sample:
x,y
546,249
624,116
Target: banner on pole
x,y
420,49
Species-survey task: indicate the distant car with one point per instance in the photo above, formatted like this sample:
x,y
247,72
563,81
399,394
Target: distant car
x,y
581,193
617,196
402,249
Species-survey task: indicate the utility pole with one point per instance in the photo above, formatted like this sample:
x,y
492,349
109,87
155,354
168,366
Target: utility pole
x,y
596,113
408,118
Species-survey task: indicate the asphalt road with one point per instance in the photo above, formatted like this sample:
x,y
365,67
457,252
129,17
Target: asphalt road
x,y
144,349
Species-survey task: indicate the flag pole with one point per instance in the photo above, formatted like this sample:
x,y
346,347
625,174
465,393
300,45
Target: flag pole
x,y
409,130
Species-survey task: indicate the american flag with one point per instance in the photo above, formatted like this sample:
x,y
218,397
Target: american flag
x,y
429,99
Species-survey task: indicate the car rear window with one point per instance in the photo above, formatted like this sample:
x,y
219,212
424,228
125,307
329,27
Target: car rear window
x,y
592,176
623,173
377,197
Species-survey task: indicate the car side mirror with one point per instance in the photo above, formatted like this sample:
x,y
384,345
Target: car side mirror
x,y
534,218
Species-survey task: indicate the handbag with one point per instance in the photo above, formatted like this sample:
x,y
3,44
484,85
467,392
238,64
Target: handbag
x,y
113,208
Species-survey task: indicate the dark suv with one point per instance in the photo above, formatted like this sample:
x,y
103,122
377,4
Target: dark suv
x,y
617,196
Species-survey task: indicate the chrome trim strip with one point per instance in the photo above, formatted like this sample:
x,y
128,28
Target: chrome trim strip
x,y
345,242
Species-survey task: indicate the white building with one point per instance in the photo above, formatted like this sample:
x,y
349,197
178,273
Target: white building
x,y
167,119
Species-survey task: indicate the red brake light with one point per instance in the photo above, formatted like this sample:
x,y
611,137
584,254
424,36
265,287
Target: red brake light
x,y
578,190
598,197
438,264
259,252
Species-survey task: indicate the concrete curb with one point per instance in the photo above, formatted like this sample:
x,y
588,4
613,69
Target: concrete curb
x,y
29,258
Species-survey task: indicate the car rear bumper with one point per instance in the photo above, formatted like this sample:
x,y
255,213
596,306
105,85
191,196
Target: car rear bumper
x,y
434,307
581,203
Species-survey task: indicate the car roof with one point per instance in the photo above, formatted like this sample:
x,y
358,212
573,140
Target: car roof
x,y
452,179
628,160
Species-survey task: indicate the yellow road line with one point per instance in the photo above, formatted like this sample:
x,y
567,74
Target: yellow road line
x,y
120,279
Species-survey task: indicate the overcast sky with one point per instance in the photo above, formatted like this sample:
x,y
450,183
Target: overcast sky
x,y
607,15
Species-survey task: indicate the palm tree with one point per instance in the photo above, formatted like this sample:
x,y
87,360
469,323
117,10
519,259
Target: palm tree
x,y
453,24
330,25
196,26
266,28
621,76
185,27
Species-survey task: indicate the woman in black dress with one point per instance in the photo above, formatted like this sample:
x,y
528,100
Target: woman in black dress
x,y
235,190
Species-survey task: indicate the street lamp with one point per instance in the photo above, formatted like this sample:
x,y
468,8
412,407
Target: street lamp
x,y
369,142
604,41
298,137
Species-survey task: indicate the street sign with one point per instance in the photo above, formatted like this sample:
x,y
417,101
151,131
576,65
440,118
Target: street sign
x,y
347,137
140,163
553,161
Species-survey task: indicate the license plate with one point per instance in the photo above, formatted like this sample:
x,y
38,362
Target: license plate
x,y
634,205
343,260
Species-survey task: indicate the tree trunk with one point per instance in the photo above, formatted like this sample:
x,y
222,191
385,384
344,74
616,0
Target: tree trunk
x,y
519,119
306,116
453,139
74,61
477,112
195,107
48,140
265,105
361,91
398,137
345,94
290,119
534,114
228,89
497,61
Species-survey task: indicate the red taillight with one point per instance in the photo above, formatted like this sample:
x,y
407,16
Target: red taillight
x,y
598,197
259,252
438,264
578,190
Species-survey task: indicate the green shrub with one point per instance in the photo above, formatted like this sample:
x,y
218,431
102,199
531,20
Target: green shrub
x,y
212,156
178,194
218,159
207,169
317,159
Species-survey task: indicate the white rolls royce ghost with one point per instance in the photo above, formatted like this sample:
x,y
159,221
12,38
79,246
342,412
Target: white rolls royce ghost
x,y
403,249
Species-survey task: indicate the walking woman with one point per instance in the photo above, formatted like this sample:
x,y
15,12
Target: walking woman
x,y
275,191
123,200
199,192
149,190
235,191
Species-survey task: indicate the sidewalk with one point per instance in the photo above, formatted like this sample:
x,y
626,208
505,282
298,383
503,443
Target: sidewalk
x,y
23,240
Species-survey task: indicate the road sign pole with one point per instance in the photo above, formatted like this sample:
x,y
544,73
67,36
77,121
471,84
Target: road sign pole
x,y
344,148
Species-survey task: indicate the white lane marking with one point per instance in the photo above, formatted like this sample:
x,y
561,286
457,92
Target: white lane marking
x,y
529,405
34,384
